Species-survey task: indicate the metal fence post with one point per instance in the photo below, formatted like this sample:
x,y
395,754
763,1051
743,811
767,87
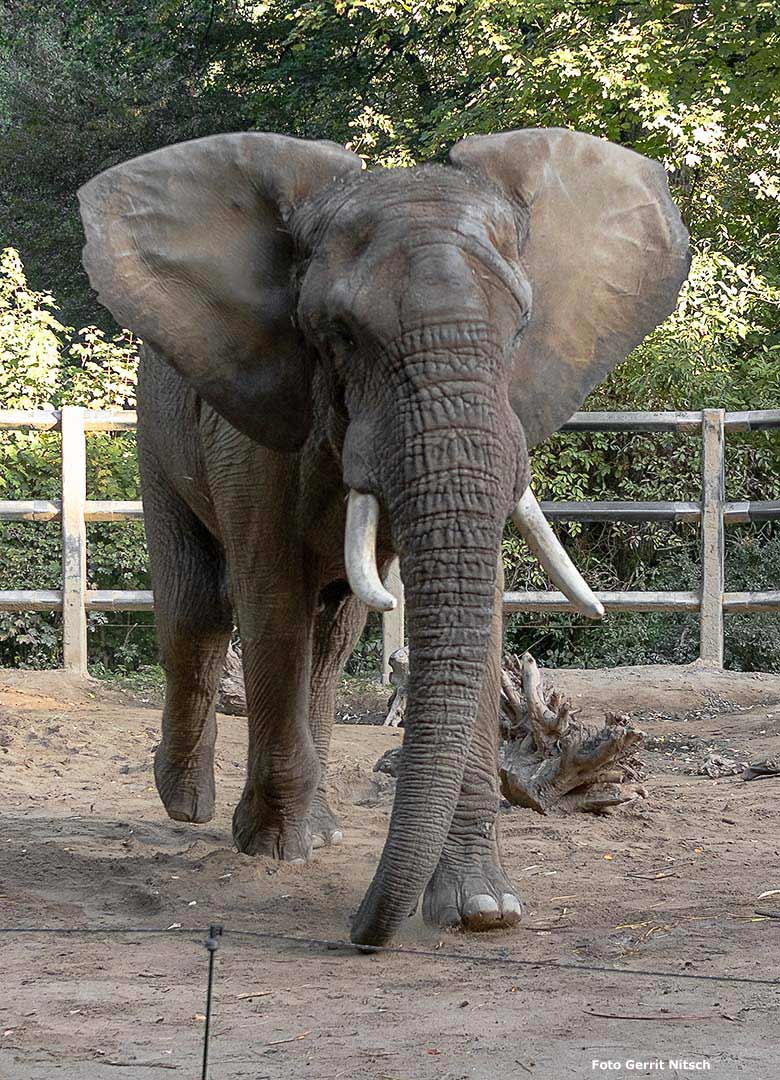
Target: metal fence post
x,y
392,621
712,538
74,540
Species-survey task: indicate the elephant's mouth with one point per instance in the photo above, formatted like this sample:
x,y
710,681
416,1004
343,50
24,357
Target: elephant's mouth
x,y
366,584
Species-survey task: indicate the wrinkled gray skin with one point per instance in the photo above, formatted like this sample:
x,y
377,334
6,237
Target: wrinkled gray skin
x,y
436,442
410,296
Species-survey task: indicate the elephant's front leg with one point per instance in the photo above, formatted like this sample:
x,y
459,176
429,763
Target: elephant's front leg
x,y
283,769
469,887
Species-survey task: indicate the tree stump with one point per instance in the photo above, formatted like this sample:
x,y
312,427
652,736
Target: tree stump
x,y
231,696
399,674
550,759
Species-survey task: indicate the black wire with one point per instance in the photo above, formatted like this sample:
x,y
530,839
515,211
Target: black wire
x,y
103,930
487,958
439,954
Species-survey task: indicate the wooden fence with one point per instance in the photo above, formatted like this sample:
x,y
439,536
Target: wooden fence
x,y
713,513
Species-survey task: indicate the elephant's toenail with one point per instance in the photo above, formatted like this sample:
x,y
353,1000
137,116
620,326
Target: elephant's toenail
x,y
337,837
480,905
511,905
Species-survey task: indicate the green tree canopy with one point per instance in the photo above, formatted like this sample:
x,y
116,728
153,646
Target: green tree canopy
x,y
87,83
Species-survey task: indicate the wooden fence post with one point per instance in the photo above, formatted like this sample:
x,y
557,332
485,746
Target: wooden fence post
x,y
74,540
392,621
712,538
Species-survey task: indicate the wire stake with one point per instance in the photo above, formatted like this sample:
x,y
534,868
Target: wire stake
x,y
212,944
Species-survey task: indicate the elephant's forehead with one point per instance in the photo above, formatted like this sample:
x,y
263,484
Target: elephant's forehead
x,y
404,201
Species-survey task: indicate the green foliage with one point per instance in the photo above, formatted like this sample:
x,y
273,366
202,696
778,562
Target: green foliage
x,y
146,681
85,84
30,339
367,656
29,640
44,362
101,370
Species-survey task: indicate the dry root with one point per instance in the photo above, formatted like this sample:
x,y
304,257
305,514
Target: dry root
x,y
550,759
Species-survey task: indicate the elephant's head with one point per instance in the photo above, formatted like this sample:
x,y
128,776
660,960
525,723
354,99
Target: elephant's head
x,y
450,317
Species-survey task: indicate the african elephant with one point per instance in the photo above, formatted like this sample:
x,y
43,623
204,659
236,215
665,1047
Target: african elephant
x,y
341,365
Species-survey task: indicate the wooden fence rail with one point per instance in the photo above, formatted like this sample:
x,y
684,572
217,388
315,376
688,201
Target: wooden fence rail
x,y
712,512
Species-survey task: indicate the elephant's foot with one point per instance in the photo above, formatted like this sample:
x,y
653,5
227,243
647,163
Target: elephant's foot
x,y
187,791
258,831
324,825
475,895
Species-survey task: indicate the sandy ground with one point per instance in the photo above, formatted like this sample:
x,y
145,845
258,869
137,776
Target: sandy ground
x,y
666,888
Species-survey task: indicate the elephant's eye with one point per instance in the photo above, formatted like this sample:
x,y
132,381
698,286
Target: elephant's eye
x,y
340,338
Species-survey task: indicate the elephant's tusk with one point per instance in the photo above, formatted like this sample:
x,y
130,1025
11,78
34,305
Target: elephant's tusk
x,y
360,552
545,545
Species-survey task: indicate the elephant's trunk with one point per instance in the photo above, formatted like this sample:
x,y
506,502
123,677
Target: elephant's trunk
x,y
447,521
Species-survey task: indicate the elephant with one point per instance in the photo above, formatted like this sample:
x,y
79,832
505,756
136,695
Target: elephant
x,y
343,365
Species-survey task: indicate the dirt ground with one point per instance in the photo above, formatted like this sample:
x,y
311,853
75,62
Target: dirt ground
x,y
620,909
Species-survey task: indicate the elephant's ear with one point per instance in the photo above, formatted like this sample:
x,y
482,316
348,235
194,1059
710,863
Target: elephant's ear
x,y
187,247
605,254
